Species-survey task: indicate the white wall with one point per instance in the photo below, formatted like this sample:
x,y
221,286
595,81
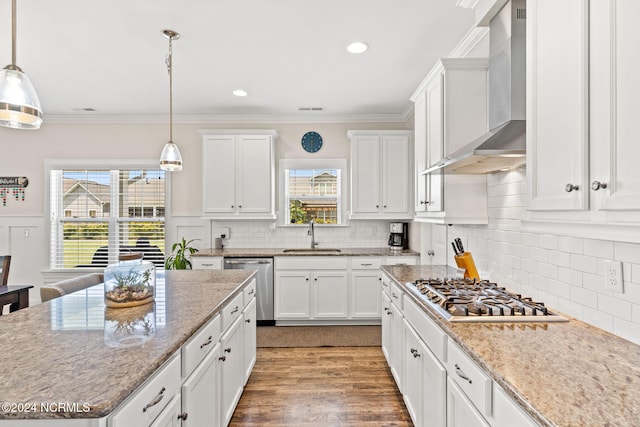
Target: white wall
x,y
566,273
23,224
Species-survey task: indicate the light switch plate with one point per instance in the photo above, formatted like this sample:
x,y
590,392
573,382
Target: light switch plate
x,y
613,280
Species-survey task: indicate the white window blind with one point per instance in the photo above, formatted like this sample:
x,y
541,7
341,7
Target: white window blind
x,y
97,214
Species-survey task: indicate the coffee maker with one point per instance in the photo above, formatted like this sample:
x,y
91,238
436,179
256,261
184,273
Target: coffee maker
x,y
398,236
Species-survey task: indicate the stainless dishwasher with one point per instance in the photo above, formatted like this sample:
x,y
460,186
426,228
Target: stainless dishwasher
x,y
264,285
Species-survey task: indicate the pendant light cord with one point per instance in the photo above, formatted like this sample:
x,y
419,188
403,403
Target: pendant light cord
x,y
169,62
13,32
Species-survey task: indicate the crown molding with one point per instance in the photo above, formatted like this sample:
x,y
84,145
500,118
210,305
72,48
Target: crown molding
x,y
473,37
467,4
299,118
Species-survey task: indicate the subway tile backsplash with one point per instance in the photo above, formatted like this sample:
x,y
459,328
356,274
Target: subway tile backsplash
x,y
567,273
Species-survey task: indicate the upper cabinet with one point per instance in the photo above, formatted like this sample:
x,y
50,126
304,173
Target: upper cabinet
x,y
450,111
582,93
380,174
238,171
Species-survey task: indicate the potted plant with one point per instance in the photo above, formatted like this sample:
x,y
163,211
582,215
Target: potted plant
x,y
180,253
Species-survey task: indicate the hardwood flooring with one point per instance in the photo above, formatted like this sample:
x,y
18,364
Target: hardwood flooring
x,y
321,386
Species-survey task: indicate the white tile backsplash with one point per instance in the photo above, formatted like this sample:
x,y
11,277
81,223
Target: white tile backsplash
x,y
566,273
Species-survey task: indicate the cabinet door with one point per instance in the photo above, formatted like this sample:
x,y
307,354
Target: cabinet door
x,y
255,177
506,412
614,95
396,345
231,373
460,410
330,294
365,294
435,142
206,263
386,327
219,174
365,172
292,295
557,104
171,416
395,176
249,337
412,374
201,392
420,150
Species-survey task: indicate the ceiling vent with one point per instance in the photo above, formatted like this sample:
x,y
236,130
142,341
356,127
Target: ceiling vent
x,y
311,109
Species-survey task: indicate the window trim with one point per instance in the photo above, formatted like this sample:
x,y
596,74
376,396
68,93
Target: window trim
x,y
55,164
284,164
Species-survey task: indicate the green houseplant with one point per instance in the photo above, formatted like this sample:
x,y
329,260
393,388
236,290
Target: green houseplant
x,y
180,253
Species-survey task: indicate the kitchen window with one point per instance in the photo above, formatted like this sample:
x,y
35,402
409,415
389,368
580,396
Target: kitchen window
x,y
97,213
312,190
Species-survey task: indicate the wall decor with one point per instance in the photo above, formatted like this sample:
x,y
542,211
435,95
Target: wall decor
x,y
14,185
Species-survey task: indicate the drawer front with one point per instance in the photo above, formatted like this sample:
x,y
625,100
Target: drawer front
x,y
366,263
396,295
249,292
396,260
151,398
386,285
470,378
311,263
429,332
206,263
194,351
232,311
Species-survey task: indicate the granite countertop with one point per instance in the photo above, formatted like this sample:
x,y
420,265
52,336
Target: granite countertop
x,y
58,352
271,252
562,374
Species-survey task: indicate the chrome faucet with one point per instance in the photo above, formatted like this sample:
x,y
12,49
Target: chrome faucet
x,y
312,233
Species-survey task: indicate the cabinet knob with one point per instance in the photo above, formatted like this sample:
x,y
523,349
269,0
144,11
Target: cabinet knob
x,y
240,206
570,187
223,358
183,416
232,206
431,252
248,320
227,350
377,206
384,206
596,185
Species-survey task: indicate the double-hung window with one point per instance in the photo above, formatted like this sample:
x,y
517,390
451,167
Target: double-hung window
x,y
99,212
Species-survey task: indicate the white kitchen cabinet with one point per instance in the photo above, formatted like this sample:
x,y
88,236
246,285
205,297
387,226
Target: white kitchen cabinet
x,y
330,294
231,372
238,173
364,284
506,413
381,183
386,327
206,262
201,392
460,410
249,337
582,94
292,294
397,336
425,381
451,111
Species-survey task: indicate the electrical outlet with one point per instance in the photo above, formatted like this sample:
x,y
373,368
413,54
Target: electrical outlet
x,y
225,232
613,280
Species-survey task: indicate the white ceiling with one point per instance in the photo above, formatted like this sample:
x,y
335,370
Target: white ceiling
x,y
109,55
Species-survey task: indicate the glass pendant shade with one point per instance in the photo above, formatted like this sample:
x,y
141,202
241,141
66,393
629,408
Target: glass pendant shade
x,y
19,103
171,159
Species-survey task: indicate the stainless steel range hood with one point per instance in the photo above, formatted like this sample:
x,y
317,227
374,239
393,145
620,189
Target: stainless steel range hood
x,y
503,147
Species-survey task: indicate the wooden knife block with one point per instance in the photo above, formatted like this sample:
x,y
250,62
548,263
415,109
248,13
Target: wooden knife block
x,y
465,260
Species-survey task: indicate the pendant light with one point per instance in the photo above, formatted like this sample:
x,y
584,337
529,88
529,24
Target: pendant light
x,y
19,104
170,159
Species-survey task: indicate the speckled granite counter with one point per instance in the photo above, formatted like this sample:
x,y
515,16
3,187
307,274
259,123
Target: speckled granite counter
x,y
562,374
56,351
271,252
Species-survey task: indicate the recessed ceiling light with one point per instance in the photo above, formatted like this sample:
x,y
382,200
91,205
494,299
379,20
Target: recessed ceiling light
x,y
358,47
240,92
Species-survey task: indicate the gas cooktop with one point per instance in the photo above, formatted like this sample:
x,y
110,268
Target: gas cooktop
x,y
472,300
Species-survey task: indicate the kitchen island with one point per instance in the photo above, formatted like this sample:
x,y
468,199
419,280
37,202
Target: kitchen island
x,y
560,373
58,362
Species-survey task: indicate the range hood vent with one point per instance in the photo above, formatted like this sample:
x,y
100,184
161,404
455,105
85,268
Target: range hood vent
x,y
504,146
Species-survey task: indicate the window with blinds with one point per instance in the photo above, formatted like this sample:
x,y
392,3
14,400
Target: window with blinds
x,y
97,214
313,194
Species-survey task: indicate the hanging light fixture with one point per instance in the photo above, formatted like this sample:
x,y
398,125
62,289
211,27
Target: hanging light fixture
x,y
19,104
170,159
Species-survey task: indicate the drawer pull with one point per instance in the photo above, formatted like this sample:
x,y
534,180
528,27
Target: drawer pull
x,y
183,416
235,310
209,341
248,320
416,354
252,291
461,373
155,401
393,294
227,350
366,264
414,351
400,263
223,358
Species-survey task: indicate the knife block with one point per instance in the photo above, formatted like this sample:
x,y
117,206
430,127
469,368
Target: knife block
x,y
465,260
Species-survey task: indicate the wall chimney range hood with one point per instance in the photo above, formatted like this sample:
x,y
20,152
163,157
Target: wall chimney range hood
x,y
504,146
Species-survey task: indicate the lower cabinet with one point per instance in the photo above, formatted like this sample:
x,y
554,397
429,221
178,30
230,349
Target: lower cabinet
x,y
231,372
172,415
249,336
201,393
441,386
206,263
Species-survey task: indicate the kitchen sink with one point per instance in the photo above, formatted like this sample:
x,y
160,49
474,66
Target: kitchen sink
x,y
313,251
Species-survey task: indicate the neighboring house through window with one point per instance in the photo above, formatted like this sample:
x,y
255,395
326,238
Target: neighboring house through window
x,y
97,213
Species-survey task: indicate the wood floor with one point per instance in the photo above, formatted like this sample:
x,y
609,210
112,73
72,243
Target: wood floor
x,y
321,386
